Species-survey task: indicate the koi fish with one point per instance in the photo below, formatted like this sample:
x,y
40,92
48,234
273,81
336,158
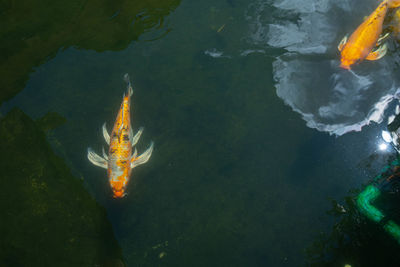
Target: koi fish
x,y
366,37
120,161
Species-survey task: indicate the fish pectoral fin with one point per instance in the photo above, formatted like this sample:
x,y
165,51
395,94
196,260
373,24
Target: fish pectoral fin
x,y
143,158
382,38
96,159
378,53
342,43
135,139
105,134
104,154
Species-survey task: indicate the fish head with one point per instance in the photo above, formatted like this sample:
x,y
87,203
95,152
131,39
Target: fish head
x,y
118,181
118,178
345,64
119,194
348,57
353,52
118,189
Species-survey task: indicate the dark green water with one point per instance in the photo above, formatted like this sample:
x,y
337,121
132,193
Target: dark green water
x,y
236,177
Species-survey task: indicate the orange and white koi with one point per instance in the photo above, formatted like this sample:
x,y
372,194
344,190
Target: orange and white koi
x,y
120,161
366,37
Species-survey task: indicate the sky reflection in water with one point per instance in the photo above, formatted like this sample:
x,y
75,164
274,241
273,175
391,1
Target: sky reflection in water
x,y
308,77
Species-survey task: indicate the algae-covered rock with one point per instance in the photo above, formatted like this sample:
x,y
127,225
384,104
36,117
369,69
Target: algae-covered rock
x,y
34,31
50,121
47,217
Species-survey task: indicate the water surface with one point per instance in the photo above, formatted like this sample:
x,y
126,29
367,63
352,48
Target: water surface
x,y
244,101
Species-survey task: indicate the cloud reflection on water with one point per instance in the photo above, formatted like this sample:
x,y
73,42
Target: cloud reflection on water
x,y
307,75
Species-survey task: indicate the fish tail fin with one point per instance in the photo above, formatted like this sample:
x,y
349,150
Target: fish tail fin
x,y
393,3
128,82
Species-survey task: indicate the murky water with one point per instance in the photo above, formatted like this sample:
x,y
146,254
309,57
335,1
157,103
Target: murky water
x,y
256,129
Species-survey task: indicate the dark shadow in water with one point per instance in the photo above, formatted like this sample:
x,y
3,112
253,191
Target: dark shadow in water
x,y
355,239
34,31
48,218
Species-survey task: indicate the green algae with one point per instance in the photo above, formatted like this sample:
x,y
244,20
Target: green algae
x,y
32,32
48,218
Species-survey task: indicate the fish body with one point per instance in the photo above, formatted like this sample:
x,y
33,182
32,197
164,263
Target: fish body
x,y
120,160
364,39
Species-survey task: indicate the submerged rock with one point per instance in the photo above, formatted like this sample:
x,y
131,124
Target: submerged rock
x,y
48,218
33,32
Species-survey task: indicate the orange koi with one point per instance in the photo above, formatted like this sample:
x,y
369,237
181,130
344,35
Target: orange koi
x,y
120,161
366,37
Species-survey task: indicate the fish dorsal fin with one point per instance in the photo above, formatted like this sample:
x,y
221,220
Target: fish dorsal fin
x,y
342,43
378,53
